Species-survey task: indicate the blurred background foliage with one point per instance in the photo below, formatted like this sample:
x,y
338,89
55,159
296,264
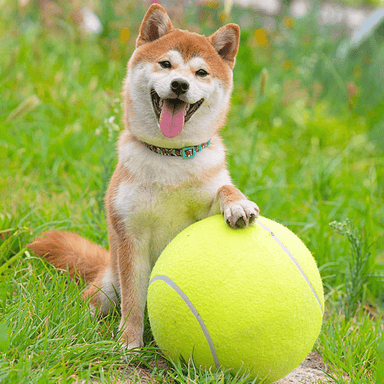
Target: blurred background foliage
x,y
302,49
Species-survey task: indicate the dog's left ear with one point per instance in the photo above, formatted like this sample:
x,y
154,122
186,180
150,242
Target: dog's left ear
x,y
226,42
156,23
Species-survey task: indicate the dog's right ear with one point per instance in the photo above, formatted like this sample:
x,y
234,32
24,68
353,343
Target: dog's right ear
x,y
156,23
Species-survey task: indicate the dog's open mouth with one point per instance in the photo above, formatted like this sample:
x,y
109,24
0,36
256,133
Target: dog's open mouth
x,y
172,114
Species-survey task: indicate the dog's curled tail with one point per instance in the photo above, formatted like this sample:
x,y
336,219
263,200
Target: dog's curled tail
x,y
67,250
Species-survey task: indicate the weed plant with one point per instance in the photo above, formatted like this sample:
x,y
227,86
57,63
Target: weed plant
x,y
359,267
305,141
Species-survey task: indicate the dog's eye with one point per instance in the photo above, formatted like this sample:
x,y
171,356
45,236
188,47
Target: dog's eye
x,y
165,64
201,73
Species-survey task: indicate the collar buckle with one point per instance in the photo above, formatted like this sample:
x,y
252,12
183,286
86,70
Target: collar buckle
x,y
187,154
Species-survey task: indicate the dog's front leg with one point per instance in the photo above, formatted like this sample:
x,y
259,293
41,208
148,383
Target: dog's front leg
x,y
134,272
237,210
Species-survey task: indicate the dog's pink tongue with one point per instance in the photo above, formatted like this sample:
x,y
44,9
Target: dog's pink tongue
x,y
172,118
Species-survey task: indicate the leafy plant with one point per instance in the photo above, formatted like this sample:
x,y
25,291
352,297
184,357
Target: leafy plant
x,y
359,266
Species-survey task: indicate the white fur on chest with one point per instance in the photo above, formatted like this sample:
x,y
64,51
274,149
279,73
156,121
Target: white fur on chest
x,y
160,208
154,214
166,195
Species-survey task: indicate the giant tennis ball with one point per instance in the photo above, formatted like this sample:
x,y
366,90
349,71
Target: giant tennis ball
x,y
247,299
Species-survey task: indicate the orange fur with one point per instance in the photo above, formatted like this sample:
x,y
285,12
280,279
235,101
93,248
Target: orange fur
x,y
229,194
69,250
149,29
115,221
131,312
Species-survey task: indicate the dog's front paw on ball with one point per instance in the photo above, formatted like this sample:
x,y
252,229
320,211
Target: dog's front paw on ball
x,y
240,214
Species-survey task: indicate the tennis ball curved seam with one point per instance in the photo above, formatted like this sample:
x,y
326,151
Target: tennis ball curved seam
x,y
288,252
193,309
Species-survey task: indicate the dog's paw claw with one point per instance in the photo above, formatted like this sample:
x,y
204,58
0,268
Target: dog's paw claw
x,y
241,213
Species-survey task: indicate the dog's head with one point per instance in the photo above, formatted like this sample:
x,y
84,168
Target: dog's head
x,y
179,83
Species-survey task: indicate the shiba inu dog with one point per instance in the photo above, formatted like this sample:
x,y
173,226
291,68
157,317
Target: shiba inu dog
x,y
171,168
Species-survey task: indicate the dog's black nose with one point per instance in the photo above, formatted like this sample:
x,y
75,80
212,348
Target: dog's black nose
x,y
179,86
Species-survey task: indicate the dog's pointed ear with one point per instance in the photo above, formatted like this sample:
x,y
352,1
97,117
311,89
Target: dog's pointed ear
x,y
226,42
156,23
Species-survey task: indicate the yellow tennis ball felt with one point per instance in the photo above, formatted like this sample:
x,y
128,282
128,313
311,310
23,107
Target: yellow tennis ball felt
x,y
247,299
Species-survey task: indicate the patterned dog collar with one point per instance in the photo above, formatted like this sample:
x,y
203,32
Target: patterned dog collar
x,y
185,153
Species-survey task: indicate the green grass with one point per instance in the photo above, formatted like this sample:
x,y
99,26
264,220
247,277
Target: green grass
x,y
305,150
